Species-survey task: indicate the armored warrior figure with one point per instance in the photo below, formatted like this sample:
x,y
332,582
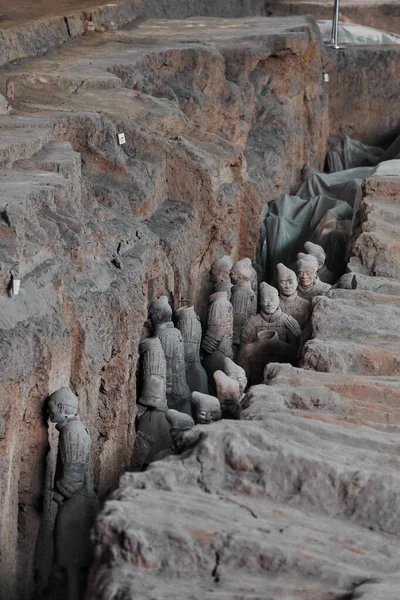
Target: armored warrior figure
x,y
234,371
309,282
152,404
189,325
219,331
271,318
228,392
323,272
219,274
178,392
244,300
289,300
73,492
180,424
267,348
206,408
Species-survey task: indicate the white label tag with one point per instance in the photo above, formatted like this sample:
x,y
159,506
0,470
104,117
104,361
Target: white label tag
x,y
326,77
15,286
121,139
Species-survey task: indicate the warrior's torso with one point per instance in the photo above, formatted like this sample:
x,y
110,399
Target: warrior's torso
x,y
286,327
73,458
218,335
172,344
296,307
244,302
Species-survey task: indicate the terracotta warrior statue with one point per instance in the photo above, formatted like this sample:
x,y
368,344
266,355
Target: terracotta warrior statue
x,y
178,392
267,348
234,371
323,272
244,300
309,282
217,341
73,492
189,325
206,408
228,392
289,300
219,274
271,318
180,424
152,404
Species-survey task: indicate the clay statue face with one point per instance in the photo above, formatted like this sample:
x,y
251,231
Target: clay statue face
x,y
218,275
287,285
56,412
204,417
306,276
269,302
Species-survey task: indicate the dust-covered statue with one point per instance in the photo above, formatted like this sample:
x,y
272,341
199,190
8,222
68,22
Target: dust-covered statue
x,y
206,408
244,300
73,492
289,300
180,425
229,396
178,392
236,372
152,403
307,276
267,348
271,318
189,325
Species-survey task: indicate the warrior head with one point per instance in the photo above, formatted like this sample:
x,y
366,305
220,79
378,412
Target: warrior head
x,y
317,251
287,280
307,267
242,271
269,299
61,405
207,408
220,269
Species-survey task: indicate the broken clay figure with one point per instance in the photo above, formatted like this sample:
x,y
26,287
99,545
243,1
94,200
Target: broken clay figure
x,y
307,276
180,424
234,371
178,392
267,348
189,325
271,318
244,300
228,392
219,330
206,408
152,403
73,492
289,300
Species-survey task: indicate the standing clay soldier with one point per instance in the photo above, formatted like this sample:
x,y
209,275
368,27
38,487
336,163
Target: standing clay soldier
x,y
152,404
228,392
206,408
189,325
271,318
220,274
309,282
178,392
77,502
266,349
217,341
289,300
234,371
315,250
244,300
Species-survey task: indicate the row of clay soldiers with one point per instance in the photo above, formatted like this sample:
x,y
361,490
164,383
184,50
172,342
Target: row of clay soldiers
x,y
186,375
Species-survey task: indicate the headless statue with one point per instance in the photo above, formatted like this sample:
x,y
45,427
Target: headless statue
x,y
289,300
267,348
271,318
189,325
206,408
323,272
244,300
152,404
217,341
178,392
307,276
220,274
73,492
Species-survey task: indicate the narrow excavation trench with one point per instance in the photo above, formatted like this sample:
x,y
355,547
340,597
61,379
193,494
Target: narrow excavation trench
x,y
296,498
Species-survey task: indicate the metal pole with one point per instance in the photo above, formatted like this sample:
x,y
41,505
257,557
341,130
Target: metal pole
x,y
335,26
